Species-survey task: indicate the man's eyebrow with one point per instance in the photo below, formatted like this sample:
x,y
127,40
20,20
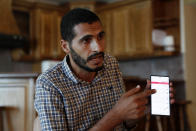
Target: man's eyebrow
x,y
86,37
90,36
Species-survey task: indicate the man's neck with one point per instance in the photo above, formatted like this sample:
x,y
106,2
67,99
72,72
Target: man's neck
x,y
81,73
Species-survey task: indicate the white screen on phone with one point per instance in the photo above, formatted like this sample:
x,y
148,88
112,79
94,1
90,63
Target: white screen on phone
x,y
160,103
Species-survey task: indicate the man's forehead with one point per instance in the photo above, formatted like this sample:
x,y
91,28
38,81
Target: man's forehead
x,y
83,28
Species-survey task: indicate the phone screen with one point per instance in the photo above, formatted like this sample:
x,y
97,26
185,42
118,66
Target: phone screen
x,y
160,102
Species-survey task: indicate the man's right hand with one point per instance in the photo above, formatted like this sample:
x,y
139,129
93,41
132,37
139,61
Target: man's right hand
x,y
132,104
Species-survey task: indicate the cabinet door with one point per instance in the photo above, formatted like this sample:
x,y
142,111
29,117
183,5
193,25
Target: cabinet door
x,y
47,34
129,29
106,18
141,27
16,98
59,51
132,30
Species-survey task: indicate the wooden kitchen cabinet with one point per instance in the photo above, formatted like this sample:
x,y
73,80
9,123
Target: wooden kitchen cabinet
x,y
16,102
166,17
43,30
106,19
46,33
128,27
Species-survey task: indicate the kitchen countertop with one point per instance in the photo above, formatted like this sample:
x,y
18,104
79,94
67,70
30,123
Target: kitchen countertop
x,y
18,75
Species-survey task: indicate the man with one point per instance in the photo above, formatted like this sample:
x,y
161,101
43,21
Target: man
x,y
85,91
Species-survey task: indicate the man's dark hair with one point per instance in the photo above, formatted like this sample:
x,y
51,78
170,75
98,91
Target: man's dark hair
x,y
73,18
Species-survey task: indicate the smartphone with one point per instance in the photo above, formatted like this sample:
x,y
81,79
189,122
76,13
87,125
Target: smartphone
x,y
160,101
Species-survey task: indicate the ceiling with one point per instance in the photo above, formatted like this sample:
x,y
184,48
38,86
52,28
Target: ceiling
x,y
64,1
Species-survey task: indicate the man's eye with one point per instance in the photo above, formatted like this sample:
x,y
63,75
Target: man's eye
x,y
87,40
100,36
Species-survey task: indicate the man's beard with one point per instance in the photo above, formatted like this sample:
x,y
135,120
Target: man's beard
x,y
82,62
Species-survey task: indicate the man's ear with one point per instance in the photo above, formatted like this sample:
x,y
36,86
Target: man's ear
x,y
65,46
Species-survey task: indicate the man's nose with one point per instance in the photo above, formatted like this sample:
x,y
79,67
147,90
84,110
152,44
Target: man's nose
x,y
96,46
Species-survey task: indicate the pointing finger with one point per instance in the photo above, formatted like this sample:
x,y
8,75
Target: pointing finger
x,y
145,93
132,91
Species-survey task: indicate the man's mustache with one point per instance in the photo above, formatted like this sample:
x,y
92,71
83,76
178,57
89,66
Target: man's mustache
x,y
99,54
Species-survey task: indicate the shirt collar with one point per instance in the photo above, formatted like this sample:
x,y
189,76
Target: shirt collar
x,y
68,71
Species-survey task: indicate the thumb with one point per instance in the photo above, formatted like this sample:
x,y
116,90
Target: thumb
x,y
132,91
148,84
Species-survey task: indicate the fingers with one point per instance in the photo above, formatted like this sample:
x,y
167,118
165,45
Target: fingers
x,y
140,102
148,84
171,89
132,91
172,93
139,112
171,84
145,93
134,103
172,101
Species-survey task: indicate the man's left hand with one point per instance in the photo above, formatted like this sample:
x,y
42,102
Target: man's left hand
x,y
171,89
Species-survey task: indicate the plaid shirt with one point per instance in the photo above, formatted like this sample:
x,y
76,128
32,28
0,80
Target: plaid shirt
x,y
64,102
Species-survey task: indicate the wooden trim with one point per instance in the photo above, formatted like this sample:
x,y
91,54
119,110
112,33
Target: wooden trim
x,y
46,6
118,4
22,5
19,75
27,6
